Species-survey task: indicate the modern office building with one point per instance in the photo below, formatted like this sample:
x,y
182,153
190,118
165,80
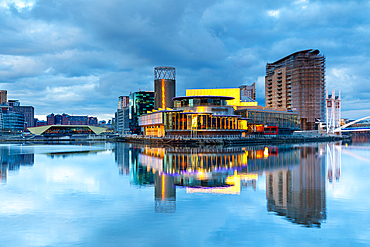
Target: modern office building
x,y
261,118
140,103
239,95
3,97
194,116
248,92
27,111
164,87
297,82
122,121
12,121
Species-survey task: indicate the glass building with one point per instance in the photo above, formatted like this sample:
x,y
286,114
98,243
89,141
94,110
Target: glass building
x,y
139,103
12,121
258,119
194,116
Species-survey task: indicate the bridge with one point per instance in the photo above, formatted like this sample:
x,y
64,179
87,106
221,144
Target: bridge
x,y
347,128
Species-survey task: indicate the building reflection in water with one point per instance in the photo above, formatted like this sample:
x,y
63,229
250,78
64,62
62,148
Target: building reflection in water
x,y
12,159
333,161
298,192
295,175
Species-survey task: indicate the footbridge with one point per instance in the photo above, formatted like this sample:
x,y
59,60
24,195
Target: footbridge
x,y
348,128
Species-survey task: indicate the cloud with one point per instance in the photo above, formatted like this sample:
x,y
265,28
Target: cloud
x,y
106,49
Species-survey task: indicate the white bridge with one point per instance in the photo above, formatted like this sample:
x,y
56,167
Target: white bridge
x,y
343,127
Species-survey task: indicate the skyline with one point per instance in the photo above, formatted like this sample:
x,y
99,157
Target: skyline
x,y
78,57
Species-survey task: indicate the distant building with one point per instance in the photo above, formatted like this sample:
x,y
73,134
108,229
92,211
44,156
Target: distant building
x,y
3,97
27,111
65,119
123,102
140,103
93,121
164,87
297,82
40,123
78,120
11,121
248,92
122,124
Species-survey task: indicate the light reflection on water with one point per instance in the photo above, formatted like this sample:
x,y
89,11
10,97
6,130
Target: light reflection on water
x,y
75,195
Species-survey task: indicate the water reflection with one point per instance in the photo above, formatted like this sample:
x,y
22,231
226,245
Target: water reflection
x,y
295,175
12,159
298,192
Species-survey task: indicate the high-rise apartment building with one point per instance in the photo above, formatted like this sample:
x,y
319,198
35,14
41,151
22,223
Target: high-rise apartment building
x,y
297,83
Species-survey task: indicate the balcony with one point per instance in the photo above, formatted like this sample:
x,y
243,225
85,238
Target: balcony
x,y
279,81
269,83
279,77
269,87
270,94
279,84
279,89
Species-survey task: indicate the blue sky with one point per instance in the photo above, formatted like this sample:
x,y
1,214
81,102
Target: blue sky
x,y
79,56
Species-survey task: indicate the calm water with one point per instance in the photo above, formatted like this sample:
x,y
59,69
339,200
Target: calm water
x,y
119,194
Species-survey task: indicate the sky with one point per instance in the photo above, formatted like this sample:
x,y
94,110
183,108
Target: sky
x,y
78,56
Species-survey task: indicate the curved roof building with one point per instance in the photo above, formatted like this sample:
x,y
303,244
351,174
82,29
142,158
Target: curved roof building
x,y
66,130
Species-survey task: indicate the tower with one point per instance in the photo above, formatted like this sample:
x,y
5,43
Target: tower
x,y
164,87
297,83
333,111
3,97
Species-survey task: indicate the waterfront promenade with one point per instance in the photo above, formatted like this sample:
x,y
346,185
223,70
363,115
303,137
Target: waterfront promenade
x,y
184,140
228,140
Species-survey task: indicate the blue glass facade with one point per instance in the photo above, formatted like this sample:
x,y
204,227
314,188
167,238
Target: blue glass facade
x,y
140,103
13,121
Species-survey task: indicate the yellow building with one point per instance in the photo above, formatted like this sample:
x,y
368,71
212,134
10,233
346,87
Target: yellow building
x,y
232,92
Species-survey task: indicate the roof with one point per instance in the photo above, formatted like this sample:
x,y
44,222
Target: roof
x,y
204,96
267,110
40,130
303,51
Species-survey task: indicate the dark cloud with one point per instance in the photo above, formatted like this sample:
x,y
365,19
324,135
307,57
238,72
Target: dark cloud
x,y
79,56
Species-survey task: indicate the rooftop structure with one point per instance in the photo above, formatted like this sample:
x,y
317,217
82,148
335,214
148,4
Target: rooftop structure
x,y
217,105
237,93
297,82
